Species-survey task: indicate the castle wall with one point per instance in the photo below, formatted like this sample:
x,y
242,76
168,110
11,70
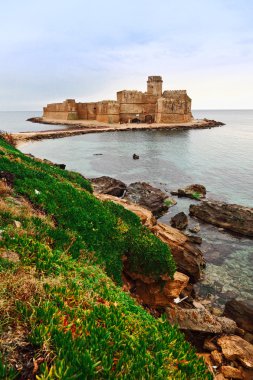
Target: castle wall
x,y
173,107
91,111
130,105
136,104
61,111
169,118
55,115
108,111
82,111
87,111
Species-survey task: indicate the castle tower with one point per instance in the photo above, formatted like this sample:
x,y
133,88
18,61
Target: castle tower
x,y
154,85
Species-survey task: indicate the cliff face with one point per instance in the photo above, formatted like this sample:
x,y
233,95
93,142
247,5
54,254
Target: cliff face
x,y
61,253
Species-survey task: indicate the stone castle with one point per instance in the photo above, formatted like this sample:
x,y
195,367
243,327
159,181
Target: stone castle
x,y
155,105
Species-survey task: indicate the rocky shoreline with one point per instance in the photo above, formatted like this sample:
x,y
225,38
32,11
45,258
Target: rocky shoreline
x,y
223,339
81,127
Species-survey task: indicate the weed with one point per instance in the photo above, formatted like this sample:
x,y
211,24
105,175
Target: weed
x,y
196,196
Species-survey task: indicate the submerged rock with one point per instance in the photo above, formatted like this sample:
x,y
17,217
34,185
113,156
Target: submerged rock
x,y
195,229
194,239
194,191
232,217
108,185
179,221
241,312
148,196
136,157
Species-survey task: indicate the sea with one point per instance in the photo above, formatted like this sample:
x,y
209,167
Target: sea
x,y
220,158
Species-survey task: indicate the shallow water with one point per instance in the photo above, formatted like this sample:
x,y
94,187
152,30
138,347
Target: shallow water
x,y
219,158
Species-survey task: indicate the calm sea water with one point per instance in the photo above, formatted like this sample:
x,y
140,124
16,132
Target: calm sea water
x,y
219,158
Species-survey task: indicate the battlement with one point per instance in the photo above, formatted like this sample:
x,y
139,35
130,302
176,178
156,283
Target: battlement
x,y
129,92
174,92
155,78
107,101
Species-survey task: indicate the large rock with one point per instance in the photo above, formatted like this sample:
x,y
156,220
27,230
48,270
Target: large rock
x,y
159,294
195,191
231,372
199,320
179,221
149,197
241,312
233,217
235,348
108,185
188,257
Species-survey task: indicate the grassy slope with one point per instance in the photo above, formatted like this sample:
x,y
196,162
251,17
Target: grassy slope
x,y
60,277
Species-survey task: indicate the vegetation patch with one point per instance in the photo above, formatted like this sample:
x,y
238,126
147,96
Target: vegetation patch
x,y
63,313
196,196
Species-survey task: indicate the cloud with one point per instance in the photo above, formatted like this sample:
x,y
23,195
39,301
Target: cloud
x,y
89,50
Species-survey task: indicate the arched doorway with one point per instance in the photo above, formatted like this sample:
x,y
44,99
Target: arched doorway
x,y
149,119
135,120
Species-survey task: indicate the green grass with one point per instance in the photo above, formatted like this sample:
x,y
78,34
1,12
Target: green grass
x,y
196,196
168,202
65,290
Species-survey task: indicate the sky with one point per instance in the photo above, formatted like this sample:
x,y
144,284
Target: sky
x,y
89,50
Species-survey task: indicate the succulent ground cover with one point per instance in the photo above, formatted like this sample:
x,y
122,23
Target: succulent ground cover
x,y
63,314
